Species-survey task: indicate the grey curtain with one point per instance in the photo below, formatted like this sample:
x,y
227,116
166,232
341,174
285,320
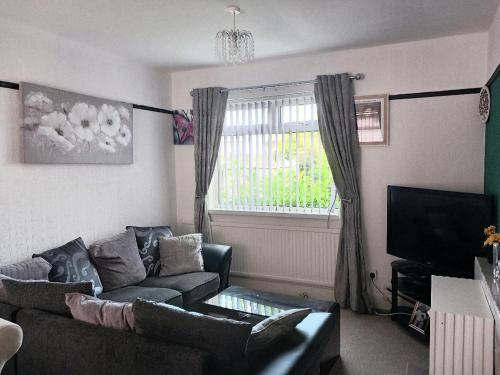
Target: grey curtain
x,y
209,109
337,127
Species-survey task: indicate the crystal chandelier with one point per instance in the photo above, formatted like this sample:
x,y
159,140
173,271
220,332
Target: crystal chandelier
x,y
234,46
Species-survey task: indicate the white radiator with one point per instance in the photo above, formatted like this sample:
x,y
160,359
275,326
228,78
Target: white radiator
x,y
462,328
280,249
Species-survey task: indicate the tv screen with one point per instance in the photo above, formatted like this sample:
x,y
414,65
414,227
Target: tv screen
x,y
441,229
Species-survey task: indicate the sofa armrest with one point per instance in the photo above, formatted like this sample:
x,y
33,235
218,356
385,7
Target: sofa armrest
x,y
217,258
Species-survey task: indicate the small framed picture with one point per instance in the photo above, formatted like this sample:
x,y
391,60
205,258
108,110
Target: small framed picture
x,y
372,116
183,127
419,320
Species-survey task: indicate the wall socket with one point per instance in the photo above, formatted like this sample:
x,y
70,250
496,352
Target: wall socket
x,y
373,275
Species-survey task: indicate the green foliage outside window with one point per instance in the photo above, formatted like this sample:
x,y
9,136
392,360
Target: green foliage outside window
x,y
299,175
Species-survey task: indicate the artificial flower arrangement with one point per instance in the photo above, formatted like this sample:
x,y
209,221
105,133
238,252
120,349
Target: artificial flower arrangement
x,y
492,235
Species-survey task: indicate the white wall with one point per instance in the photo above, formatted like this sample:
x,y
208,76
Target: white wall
x,y
434,142
43,206
494,44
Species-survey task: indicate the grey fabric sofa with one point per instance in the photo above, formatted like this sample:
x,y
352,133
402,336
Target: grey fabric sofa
x,y
59,345
182,290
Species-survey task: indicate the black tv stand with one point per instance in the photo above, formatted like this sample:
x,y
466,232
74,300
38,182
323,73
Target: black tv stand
x,y
411,281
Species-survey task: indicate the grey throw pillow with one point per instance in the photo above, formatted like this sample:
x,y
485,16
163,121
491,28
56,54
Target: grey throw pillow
x,y
273,328
117,315
149,247
43,295
181,254
32,269
117,261
225,339
71,263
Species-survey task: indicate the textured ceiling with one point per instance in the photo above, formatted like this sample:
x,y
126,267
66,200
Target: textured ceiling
x,y
181,33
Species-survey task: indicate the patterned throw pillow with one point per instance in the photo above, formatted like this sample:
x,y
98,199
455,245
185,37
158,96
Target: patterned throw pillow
x,y
71,263
117,315
149,250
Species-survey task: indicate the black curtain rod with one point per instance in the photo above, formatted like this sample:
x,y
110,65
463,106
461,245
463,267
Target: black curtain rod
x,y
426,94
430,94
15,86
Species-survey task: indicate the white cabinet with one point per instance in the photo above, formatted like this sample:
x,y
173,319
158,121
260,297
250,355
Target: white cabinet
x,y
462,328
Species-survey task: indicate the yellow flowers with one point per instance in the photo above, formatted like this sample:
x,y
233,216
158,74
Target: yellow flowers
x,y
492,235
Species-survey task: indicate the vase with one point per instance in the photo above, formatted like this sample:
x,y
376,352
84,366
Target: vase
x,y
496,261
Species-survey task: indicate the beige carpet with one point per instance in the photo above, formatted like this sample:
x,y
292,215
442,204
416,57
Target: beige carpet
x,y
375,345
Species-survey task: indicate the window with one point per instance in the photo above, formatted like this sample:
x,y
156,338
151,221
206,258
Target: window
x,y
271,158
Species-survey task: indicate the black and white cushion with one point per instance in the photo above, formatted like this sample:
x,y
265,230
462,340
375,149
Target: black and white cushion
x,y
149,248
71,263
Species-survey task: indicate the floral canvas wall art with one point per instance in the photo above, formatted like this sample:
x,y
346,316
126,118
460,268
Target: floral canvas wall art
x,y
62,127
183,128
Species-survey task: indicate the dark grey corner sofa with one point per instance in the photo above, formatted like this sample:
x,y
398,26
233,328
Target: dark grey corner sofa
x,y
59,345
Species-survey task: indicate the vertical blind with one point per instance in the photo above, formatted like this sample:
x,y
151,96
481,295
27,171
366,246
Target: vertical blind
x,y
271,158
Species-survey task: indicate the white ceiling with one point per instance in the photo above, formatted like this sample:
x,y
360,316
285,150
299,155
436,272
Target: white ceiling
x,y
181,33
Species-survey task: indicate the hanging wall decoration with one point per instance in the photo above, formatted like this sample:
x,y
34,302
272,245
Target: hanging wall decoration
x,y
484,104
183,127
62,127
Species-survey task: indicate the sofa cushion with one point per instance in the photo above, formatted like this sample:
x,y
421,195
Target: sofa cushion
x,y
131,293
117,315
149,250
117,260
31,269
225,339
270,330
181,254
193,286
43,295
71,263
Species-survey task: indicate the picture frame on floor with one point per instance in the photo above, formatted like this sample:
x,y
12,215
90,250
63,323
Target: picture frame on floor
x,y
419,320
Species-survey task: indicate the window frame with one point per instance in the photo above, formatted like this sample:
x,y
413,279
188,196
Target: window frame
x,y
272,210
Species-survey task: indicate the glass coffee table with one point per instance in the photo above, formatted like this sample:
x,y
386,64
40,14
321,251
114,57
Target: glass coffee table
x,y
251,305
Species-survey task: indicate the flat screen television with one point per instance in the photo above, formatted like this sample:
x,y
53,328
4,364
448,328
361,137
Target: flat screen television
x,y
440,229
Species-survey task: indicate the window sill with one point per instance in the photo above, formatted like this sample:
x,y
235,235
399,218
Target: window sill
x,y
291,215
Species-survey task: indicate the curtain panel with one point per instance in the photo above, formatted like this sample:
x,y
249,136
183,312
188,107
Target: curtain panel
x,y
209,109
338,131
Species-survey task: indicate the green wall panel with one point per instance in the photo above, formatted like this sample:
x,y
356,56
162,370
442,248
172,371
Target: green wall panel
x,y
492,148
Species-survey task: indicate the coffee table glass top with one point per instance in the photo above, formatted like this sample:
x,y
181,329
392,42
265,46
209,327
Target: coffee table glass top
x,y
255,302
243,304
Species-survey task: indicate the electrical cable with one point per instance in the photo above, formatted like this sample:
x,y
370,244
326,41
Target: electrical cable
x,y
388,300
382,293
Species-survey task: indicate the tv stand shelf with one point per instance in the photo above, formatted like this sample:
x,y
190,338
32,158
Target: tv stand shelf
x,y
411,282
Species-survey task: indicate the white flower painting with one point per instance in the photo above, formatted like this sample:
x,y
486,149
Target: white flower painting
x,y
61,127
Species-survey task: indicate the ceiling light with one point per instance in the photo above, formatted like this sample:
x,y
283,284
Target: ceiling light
x,y
234,46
